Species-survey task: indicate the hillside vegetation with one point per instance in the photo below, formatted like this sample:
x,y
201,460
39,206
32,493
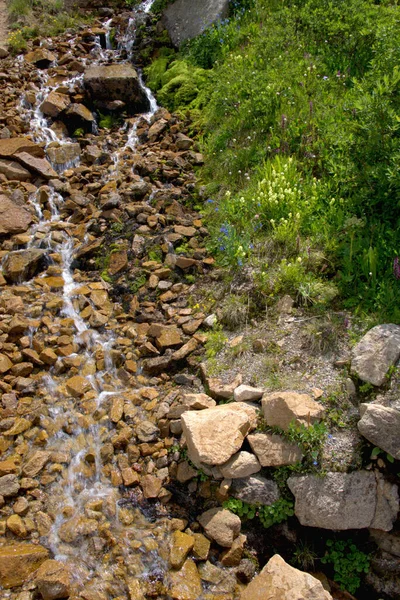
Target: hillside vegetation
x,y
297,109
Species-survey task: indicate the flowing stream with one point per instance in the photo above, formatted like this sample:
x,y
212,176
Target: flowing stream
x,y
107,547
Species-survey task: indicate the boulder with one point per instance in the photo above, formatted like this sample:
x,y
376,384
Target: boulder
x,y
280,581
343,501
117,81
22,265
221,525
19,561
10,146
53,580
186,19
40,57
375,353
240,465
213,435
54,104
14,171
281,408
13,217
255,490
380,425
64,155
41,166
273,450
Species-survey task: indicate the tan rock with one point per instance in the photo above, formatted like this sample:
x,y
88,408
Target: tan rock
x,y
233,556
185,584
118,262
201,546
53,580
220,525
48,356
241,464
10,146
80,111
151,486
18,562
117,409
223,391
41,166
213,435
280,581
16,525
5,364
23,264
281,408
40,57
168,338
9,485
12,170
181,545
273,450
54,104
77,386
36,463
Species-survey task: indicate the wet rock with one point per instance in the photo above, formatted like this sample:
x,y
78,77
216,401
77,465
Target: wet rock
x,y
151,486
24,264
282,408
53,580
201,546
117,81
182,544
54,104
233,556
246,392
16,525
41,166
185,19
255,490
185,584
213,435
14,171
218,580
5,364
36,463
342,501
9,485
77,386
240,465
220,525
40,57
273,450
13,218
67,153
376,352
11,146
280,581
147,431
18,562
380,425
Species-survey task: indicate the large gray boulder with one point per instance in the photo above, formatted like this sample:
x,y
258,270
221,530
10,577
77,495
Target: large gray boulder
x,y
376,352
119,81
185,19
345,500
380,425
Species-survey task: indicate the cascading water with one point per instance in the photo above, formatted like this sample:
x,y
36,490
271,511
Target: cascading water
x,y
87,517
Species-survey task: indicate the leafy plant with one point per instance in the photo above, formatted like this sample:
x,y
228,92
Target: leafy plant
x,y
216,340
268,515
348,563
310,439
378,451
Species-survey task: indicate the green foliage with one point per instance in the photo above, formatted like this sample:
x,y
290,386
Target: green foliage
x,y
216,340
139,282
348,563
79,132
268,515
378,451
107,121
310,439
299,117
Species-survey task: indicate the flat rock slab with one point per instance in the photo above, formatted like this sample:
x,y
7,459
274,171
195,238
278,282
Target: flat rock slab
x,y
14,171
185,19
380,425
376,352
213,435
273,450
10,146
41,166
345,500
280,581
117,81
23,264
13,218
282,408
18,561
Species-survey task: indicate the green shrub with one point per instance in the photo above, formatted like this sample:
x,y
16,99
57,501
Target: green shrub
x,y
348,563
268,515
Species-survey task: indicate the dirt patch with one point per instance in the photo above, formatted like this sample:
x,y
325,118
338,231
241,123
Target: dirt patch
x,y
3,22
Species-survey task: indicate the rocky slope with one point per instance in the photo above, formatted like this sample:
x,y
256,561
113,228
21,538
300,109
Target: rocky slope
x,y
116,448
